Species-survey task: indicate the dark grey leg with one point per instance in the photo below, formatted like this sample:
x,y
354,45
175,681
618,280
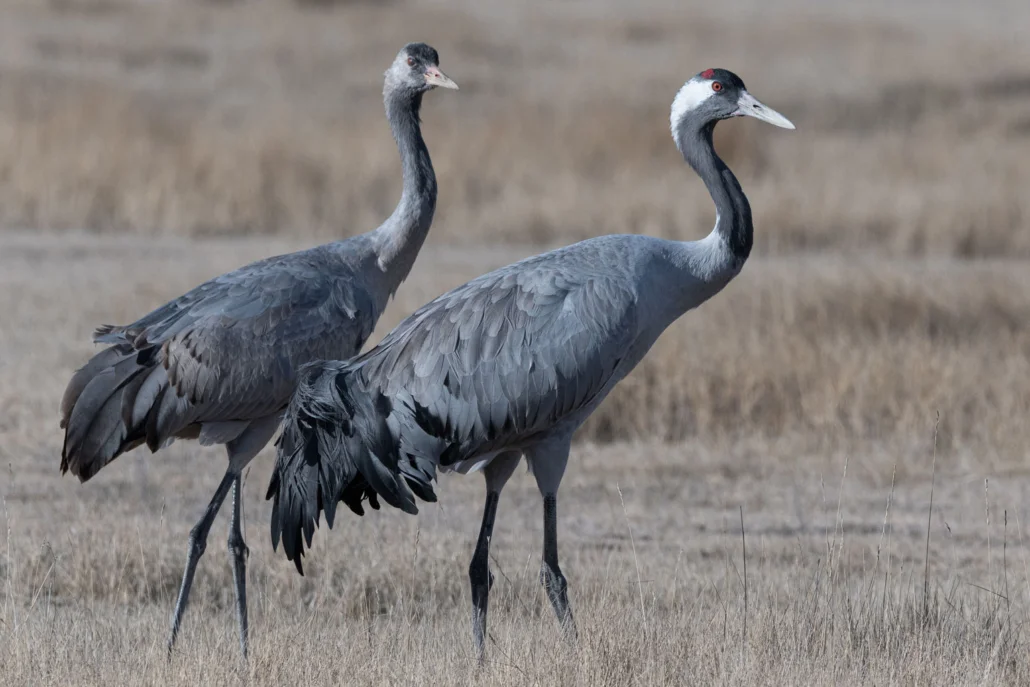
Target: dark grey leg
x,y
550,574
497,473
198,542
238,552
479,573
241,451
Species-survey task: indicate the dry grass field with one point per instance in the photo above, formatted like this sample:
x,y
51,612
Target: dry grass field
x,y
876,347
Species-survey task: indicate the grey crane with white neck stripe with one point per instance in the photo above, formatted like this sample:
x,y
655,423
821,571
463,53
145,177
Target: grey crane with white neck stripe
x,y
508,365
219,363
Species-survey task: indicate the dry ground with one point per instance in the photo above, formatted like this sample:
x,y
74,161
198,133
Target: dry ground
x,y
146,146
805,395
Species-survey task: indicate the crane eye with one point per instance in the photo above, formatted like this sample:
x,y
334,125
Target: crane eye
x,y
411,61
716,86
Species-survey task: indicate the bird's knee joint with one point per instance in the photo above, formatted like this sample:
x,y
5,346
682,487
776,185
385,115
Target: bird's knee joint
x,y
552,578
197,543
238,548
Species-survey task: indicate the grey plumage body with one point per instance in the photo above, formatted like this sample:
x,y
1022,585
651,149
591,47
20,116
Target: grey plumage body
x,y
222,357
517,357
219,363
507,365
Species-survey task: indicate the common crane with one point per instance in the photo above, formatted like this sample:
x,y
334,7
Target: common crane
x,y
219,363
508,365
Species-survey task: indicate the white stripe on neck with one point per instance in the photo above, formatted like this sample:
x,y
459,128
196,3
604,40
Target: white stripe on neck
x,y
693,93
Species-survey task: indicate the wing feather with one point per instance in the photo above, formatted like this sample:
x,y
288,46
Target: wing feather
x,y
225,352
512,353
492,365
215,340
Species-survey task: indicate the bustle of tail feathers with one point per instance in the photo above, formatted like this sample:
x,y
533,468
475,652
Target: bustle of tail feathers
x,y
106,331
335,445
98,405
114,334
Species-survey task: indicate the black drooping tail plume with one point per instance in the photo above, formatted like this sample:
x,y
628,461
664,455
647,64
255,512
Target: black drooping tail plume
x,y
336,445
112,404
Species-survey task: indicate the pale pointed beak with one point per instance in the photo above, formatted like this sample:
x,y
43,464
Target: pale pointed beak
x,y
435,77
749,106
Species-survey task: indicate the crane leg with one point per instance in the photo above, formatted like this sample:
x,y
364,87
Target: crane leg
x,y
479,574
548,461
241,451
497,473
238,552
550,574
198,542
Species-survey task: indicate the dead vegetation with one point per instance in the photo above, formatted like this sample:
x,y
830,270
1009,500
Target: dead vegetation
x,y
806,394
158,121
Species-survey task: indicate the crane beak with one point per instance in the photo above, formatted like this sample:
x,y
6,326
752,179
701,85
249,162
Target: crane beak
x,y
749,106
435,77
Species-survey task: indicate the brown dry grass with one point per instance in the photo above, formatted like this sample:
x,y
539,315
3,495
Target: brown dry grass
x,y
891,283
800,395
154,118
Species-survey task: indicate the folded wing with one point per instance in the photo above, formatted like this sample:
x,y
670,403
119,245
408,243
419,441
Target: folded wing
x,y
212,360
491,364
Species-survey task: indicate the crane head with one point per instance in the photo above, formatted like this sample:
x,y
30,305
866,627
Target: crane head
x,y
416,70
716,94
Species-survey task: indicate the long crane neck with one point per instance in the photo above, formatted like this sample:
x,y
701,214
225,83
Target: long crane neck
x,y
400,237
733,212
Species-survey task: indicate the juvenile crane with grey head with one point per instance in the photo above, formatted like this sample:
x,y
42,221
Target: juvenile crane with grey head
x,y
219,363
508,365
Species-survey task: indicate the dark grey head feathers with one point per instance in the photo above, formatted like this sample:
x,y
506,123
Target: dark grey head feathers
x,y
424,54
415,71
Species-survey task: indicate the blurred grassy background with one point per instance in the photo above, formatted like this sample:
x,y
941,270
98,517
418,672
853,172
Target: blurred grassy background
x,y
265,117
